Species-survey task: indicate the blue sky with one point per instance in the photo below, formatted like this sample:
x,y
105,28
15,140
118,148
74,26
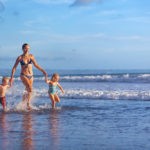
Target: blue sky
x,y
77,34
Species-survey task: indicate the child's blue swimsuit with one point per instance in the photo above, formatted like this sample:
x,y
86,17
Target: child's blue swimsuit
x,y
52,89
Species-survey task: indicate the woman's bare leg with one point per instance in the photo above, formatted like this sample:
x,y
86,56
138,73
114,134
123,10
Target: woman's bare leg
x,y
28,101
25,97
52,100
28,84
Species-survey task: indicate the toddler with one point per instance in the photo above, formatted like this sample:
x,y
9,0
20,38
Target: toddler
x,y
3,88
53,83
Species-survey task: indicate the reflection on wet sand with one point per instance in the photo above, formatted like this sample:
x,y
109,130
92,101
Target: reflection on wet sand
x,y
3,130
27,143
54,129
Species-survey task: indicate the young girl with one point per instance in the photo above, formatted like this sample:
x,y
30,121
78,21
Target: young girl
x,y
52,89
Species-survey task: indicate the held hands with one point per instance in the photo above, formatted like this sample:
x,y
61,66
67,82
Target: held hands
x,y
46,79
45,76
11,81
45,73
10,84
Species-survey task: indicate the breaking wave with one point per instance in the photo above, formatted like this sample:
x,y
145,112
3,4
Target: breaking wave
x,y
133,78
88,94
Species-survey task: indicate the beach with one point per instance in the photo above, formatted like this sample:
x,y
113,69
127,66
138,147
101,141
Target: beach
x,y
100,110
97,53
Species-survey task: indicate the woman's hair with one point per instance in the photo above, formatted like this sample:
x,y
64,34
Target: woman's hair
x,y
54,75
24,45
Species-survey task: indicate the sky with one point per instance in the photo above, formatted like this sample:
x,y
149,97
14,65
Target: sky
x,y
77,34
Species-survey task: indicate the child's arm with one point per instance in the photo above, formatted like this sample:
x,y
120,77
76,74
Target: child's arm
x,y
48,81
10,84
60,88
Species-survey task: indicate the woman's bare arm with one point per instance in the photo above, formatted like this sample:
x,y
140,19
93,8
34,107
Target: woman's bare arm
x,y
46,80
14,69
37,66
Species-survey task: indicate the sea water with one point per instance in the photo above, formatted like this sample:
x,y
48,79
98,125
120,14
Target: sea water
x,y
100,110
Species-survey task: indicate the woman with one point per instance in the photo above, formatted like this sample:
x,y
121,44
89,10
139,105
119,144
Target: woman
x,y
26,75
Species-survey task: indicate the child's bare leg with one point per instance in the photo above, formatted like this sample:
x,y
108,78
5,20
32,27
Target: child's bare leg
x,y
4,107
56,98
52,100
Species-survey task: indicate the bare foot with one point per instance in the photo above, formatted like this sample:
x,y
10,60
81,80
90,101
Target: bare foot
x,y
28,107
53,108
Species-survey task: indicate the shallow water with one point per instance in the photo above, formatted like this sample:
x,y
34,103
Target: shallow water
x,y
100,110
78,125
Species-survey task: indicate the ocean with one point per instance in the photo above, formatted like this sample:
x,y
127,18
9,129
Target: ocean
x,y
100,110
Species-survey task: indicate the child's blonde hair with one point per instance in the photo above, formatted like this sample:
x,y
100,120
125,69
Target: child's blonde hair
x,y
5,79
55,75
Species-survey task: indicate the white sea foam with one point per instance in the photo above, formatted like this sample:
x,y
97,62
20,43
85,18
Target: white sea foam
x,y
88,94
22,107
114,95
137,78
112,91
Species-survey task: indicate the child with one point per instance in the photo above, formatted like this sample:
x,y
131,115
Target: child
x,y
3,88
52,89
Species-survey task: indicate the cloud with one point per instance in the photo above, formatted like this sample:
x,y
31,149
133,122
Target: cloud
x,y
124,1
60,58
84,2
1,19
37,21
2,7
15,13
134,37
128,38
109,12
141,19
54,2
72,39
27,32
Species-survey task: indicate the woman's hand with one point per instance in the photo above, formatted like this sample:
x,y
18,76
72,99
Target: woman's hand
x,y
45,73
11,81
46,80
